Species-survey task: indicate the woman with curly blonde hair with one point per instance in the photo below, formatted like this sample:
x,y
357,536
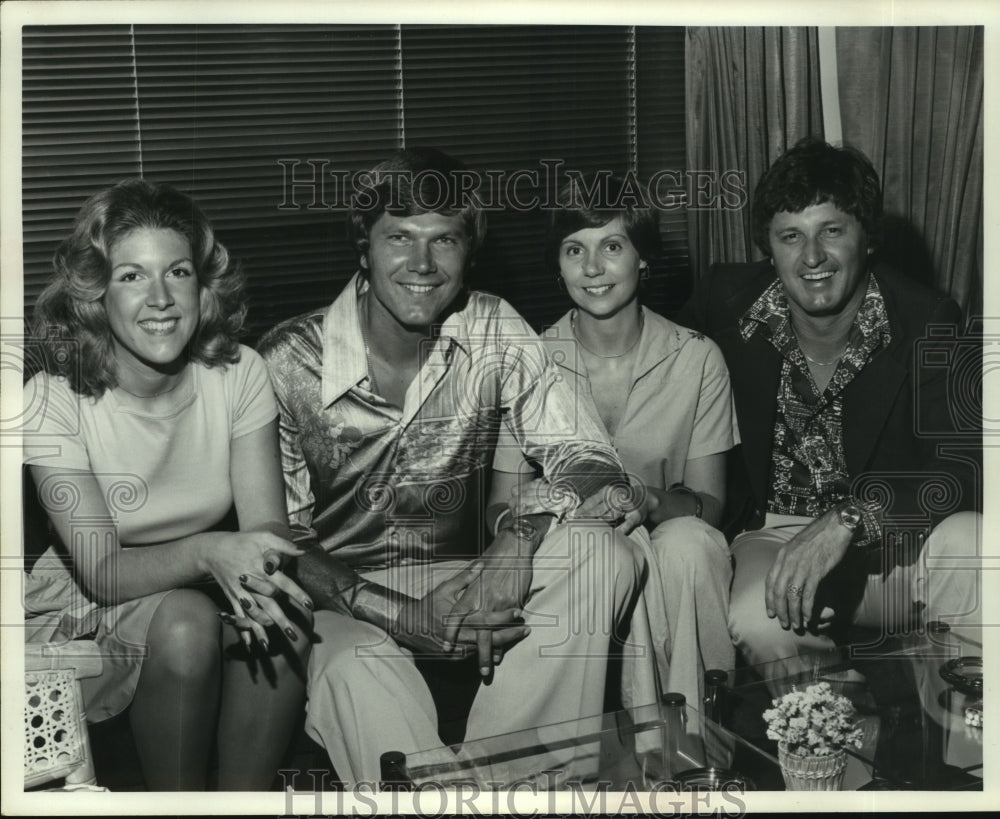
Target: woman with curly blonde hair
x,y
150,423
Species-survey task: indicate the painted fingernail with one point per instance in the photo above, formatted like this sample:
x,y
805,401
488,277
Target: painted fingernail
x,y
291,633
243,578
270,567
308,603
264,644
246,603
226,618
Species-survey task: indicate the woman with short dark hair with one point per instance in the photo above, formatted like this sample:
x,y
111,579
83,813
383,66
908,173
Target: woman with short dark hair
x,y
661,392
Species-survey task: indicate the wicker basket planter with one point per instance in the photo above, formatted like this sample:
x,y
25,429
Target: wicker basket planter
x,y
812,773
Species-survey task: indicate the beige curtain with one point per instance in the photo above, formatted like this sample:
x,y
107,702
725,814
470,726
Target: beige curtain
x,y
912,99
751,94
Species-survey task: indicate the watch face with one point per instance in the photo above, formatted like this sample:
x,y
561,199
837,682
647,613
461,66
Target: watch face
x,y
850,516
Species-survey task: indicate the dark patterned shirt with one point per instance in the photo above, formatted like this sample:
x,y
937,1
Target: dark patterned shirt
x,y
808,467
378,485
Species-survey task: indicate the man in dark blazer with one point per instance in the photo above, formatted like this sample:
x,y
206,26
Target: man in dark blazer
x,y
859,413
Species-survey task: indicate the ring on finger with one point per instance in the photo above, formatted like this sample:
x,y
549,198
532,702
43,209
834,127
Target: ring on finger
x,y
795,591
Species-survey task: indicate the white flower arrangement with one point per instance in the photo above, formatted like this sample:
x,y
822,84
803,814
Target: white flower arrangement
x,y
814,722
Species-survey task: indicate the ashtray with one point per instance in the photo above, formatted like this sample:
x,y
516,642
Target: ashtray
x,y
713,779
965,674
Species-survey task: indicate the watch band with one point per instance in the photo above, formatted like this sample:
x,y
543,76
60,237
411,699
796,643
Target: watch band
x,y
522,529
377,604
699,507
526,530
500,519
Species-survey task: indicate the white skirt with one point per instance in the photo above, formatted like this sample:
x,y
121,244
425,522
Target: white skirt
x,y
58,610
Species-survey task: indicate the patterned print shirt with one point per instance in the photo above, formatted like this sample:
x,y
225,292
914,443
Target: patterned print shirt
x,y
808,467
381,486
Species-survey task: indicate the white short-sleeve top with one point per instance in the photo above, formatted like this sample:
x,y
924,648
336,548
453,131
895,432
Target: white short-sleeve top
x,y
165,475
679,407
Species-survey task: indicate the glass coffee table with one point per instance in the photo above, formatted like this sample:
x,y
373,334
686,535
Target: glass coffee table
x,y
659,746
919,697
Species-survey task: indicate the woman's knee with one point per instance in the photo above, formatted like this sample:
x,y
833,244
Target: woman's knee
x,y
184,635
691,542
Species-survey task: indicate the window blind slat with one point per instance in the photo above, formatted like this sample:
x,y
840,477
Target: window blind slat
x,y
220,105
78,132
661,146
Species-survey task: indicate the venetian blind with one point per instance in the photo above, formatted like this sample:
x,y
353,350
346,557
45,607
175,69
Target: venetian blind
x,y
234,114
79,131
505,97
660,135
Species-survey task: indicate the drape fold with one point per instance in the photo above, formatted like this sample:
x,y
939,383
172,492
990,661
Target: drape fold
x,y
751,94
912,99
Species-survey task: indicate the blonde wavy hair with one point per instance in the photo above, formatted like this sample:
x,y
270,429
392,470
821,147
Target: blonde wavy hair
x,y
70,320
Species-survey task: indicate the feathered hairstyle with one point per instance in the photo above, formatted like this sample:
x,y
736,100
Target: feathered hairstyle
x,y
70,318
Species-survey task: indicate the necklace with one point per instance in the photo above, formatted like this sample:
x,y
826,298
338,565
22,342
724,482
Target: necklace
x,y
823,363
368,352
632,346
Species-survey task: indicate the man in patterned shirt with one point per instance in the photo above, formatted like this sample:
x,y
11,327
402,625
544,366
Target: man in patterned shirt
x,y
851,455
391,401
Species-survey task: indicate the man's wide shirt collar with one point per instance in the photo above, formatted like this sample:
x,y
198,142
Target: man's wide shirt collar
x,y
808,464
380,486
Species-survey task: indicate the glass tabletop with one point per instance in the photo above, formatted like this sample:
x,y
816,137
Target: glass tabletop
x,y
918,696
659,746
